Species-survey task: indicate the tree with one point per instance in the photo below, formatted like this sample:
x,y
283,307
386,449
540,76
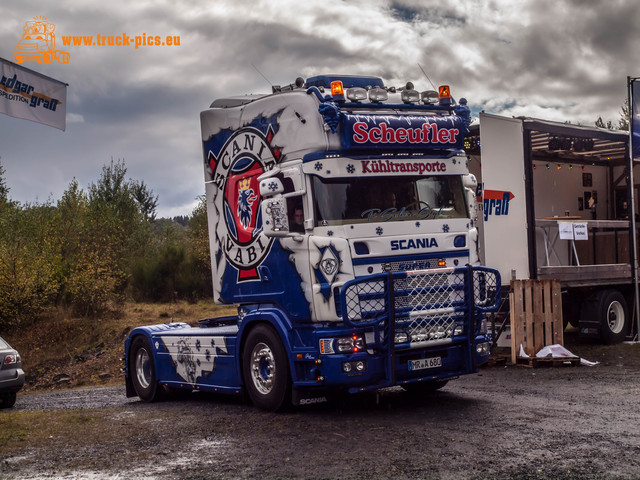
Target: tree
x,y
623,121
4,190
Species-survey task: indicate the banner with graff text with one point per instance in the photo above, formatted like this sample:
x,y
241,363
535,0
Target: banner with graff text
x,y
32,96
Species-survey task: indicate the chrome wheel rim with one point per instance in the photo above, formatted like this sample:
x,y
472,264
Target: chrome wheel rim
x,y
263,368
143,368
615,317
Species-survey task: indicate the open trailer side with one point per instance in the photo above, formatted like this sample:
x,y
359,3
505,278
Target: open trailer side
x,y
555,202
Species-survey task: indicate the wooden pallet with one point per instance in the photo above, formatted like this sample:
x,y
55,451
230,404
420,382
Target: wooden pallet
x,y
536,316
534,362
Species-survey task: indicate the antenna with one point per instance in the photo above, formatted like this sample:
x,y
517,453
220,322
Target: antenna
x,y
270,84
425,74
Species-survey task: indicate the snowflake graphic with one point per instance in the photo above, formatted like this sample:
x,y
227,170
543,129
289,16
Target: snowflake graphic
x,y
273,186
455,161
351,168
418,224
379,230
445,228
318,166
330,233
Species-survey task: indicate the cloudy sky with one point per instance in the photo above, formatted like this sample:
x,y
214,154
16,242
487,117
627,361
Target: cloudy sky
x,y
550,59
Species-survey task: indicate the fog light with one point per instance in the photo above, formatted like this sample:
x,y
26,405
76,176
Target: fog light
x,y
361,366
482,348
401,337
378,94
356,94
346,367
458,331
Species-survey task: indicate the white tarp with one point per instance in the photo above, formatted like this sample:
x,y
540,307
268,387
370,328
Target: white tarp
x,y
29,95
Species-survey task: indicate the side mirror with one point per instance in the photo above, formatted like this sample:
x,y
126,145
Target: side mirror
x,y
270,187
275,220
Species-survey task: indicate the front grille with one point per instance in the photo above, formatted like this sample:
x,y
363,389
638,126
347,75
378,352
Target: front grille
x,y
428,304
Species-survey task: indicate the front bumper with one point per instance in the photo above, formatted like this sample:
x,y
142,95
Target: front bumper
x,y
450,360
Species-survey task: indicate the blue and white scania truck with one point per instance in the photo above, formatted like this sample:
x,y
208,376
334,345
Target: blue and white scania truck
x,y
341,222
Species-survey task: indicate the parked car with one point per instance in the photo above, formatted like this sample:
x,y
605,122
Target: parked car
x,y
11,374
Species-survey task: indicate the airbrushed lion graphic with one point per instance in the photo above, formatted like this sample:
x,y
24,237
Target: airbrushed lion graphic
x,y
235,170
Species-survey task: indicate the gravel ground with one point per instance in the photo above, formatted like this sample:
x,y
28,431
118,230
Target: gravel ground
x,y
505,422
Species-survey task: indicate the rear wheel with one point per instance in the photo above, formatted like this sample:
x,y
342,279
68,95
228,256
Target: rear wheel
x,y
265,369
142,370
608,310
614,317
425,387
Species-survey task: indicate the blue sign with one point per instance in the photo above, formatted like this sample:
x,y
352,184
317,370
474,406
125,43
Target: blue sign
x,y
402,132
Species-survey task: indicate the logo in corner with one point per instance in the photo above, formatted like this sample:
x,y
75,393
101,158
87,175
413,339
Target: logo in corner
x,y
38,43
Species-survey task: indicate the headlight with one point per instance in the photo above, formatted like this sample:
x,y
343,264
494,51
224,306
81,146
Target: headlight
x,y
352,344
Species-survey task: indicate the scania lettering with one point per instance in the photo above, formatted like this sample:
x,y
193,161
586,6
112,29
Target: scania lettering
x,y
342,225
411,243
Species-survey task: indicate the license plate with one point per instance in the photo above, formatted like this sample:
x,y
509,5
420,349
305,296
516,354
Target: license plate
x,y
422,364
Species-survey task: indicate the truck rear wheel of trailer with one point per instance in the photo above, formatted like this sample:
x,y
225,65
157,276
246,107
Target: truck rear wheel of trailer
x,y
562,192
342,223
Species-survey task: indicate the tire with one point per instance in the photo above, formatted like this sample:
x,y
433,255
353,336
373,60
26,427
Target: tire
x,y
8,400
265,369
142,370
429,386
614,316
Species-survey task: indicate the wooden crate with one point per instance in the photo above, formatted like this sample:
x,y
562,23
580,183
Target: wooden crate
x,y
536,316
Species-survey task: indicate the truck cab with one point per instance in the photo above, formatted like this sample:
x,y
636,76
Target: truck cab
x,y
342,223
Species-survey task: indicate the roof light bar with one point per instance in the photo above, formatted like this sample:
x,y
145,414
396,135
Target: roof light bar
x,y
378,95
410,96
430,97
356,94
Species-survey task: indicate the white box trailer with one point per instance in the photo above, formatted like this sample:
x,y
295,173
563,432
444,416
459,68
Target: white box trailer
x,y
554,204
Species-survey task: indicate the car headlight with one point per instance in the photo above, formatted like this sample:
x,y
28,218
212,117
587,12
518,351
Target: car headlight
x,y
351,344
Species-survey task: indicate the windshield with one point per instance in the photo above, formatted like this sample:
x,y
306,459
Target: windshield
x,y
384,199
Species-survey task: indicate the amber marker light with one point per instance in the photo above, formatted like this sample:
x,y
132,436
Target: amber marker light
x,y
336,88
444,92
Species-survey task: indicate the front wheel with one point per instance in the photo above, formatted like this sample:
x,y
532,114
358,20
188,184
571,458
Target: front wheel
x,y
142,370
265,369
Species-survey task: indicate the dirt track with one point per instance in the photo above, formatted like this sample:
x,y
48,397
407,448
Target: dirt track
x,y
506,422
